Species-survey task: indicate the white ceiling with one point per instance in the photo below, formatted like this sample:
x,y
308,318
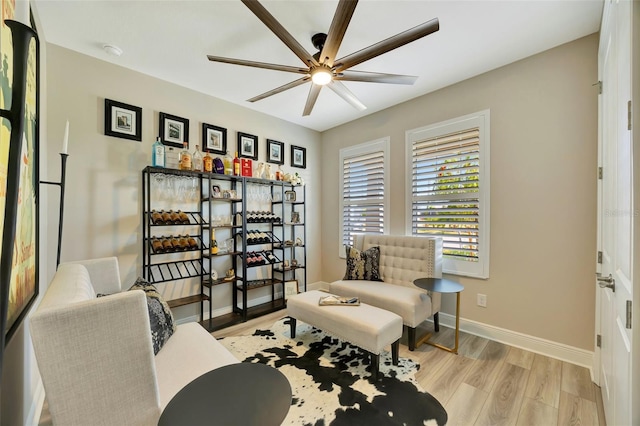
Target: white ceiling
x,y
170,40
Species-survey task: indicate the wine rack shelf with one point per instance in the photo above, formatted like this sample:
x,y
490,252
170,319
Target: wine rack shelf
x,y
242,233
176,270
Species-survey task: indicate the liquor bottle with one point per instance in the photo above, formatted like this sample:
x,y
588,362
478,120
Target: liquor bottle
x,y
184,219
175,217
236,165
184,243
166,244
214,242
207,162
156,243
196,160
185,157
166,217
156,217
193,244
157,154
228,164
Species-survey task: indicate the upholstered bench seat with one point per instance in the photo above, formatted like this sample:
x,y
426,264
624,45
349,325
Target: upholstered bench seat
x,y
403,259
367,327
411,303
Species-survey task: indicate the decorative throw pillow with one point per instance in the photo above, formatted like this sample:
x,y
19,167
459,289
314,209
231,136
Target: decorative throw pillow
x,y
160,317
363,265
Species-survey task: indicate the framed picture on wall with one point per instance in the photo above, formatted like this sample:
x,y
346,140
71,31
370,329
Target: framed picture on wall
x,y
275,152
174,130
298,156
214,138
290,288
247,146
122,120
20,221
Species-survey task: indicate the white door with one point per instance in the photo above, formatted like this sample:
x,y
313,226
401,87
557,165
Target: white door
x,y
615,218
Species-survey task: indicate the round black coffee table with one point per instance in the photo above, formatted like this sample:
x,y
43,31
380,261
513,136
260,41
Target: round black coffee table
x,y
442,285
242,394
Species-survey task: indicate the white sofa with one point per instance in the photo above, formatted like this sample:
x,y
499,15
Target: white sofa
x,y
402,260
95,355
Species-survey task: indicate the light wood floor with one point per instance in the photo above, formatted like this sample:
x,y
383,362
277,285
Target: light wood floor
x,y
489,383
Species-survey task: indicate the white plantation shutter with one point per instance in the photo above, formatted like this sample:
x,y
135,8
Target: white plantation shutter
x,y
448,194
364,199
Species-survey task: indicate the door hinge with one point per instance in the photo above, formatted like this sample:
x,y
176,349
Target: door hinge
x,y
628,325
600,257
599,341
600,173
599,84
629,115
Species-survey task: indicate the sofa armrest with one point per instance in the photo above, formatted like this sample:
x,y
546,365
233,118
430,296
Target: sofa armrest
x,y
96,361
104,274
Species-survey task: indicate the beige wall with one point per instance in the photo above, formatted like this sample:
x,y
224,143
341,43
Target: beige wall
x,y
543,188
103,204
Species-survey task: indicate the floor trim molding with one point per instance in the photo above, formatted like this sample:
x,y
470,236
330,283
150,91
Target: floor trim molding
x,y
538,345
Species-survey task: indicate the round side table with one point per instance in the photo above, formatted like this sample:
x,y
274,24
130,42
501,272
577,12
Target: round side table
x,y
241,394
442,285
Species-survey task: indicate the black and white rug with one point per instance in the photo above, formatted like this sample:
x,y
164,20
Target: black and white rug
x,y
330,380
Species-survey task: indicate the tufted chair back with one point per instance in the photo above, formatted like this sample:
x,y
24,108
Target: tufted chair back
x,y
406,258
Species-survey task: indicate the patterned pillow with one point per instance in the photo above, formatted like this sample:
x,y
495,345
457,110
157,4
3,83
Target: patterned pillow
x,y
363,265
160,317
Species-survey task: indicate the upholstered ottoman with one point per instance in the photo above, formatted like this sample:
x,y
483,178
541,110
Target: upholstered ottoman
x,y
365,326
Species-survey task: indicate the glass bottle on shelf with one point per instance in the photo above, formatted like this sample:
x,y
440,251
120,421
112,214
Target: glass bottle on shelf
x,y
228,164
207,162
157,154
214,243
185,157
236,165
196,160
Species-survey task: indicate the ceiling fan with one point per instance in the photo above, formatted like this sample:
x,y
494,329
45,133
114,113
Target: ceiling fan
x,y
323,68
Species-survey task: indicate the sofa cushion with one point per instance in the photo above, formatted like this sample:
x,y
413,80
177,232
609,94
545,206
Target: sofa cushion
x,y
70,284
363,265
190,353
412,304
160,316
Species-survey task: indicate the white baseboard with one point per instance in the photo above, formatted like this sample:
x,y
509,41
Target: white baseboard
x,y
534,344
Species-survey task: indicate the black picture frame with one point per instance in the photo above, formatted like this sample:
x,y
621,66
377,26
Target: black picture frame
x,y
247,146
122,120
214,139
298,157
19,283
174,130
275,152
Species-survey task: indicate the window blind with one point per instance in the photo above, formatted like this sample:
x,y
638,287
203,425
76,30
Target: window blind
x,y
445,191
363,195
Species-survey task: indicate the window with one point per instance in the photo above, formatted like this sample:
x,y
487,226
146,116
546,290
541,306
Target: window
x,y
448,190
364,201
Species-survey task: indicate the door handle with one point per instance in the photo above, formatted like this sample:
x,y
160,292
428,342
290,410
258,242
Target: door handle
x,y
606,282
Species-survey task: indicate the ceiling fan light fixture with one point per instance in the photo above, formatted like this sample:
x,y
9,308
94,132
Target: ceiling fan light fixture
x,y
321,76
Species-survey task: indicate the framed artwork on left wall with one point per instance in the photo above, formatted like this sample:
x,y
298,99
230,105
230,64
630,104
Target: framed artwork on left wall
x,y
19,178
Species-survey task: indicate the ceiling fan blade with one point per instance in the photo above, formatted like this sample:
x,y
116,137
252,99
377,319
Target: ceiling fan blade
x,y
338,27
254,64
279,31
287,86
346,94
387,45
311,99
375,77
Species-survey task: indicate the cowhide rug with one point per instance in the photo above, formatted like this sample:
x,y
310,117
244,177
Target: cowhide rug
x,y
331,383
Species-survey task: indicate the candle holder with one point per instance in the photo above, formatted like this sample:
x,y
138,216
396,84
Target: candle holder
x,y
61,184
